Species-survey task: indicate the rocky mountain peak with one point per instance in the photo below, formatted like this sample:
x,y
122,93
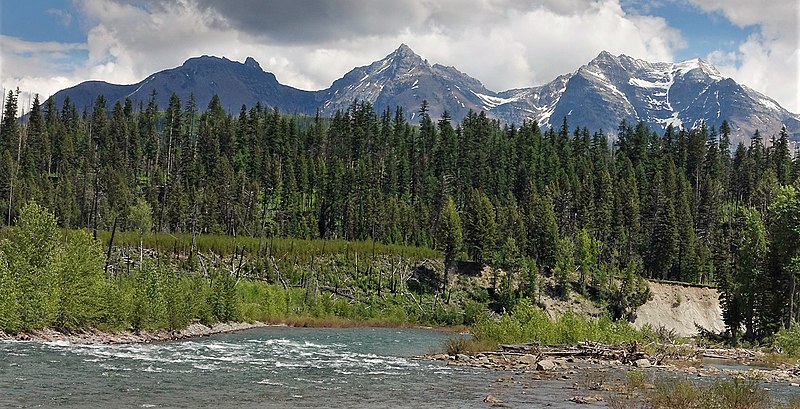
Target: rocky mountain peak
x,y
702,67
404,52
598,96
403,58
252,63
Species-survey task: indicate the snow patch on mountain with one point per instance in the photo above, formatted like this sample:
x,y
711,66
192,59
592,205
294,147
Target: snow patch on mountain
x,y
649,84
490,102
597,96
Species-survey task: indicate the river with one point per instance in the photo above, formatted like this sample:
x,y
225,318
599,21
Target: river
x,y
273,367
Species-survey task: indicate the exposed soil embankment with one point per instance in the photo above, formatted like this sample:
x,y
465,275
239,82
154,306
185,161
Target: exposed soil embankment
x,y
681,308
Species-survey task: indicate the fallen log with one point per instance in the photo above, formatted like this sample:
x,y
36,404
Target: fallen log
x,y
627,353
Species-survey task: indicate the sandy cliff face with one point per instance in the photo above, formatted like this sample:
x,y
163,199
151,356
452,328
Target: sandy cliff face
x,y
681,307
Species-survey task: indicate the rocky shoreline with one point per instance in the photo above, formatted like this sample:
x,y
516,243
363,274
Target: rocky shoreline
x,y
540,367
96,336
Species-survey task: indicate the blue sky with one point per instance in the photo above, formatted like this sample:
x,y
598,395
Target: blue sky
x,y
47,45
43,20
705,32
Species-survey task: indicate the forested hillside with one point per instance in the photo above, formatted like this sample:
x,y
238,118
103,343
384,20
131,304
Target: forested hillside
x,y
562,202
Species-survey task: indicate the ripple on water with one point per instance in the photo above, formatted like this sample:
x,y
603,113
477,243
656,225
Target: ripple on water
x,y
315,367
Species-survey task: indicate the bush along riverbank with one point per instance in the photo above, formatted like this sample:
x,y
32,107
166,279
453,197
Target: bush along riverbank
x,y
64,285
54,281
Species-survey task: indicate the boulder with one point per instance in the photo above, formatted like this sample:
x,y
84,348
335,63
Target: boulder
x,y
642,363
545,365
527,359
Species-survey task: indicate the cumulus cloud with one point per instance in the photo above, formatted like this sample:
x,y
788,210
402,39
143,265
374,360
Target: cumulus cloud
x,y
308,44
769,60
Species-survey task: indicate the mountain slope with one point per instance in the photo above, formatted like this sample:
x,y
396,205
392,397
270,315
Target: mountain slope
x,y
612,88
404,79
598,95
235,83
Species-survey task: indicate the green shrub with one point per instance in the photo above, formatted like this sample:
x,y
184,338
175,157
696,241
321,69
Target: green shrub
x,y
788,341
527,323
731,393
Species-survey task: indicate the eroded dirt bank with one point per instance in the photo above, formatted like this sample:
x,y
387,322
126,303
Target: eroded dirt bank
x,y
681,308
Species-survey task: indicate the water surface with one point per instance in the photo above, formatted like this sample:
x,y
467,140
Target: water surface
x,y
266,368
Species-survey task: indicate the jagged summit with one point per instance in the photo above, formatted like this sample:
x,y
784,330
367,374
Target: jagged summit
x,y
704,67
251,62
404,51
598,95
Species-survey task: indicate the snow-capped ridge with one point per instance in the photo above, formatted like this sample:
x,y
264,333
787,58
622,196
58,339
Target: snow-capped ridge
x,y
598,95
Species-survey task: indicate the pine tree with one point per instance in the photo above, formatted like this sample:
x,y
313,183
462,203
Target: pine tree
x,y
784,251
565,266
587,254
741,274
542,229
480,227
449,237
781,158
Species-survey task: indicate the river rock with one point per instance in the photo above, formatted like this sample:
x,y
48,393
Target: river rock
x,y
545,365
527,359
586,399
642,363
794,384
494,400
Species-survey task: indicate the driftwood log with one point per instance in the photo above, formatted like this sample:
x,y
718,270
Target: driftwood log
x,y
626,353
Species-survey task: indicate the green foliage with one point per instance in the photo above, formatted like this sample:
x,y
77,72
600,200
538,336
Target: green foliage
x,y
149,300
222,298
479,226
449,234
587,254
733,393
31,252
528,323
740,276
10,319
285,190
787,342
631,292
140,217
565,267
81,283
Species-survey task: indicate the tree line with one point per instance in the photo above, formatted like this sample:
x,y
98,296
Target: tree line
x,y
559,202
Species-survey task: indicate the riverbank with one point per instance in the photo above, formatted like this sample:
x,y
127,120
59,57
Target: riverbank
x,y
96,336
597,372
197,330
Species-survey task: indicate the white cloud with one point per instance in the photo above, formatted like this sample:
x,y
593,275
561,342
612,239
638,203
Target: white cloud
x,y
769,60
504,43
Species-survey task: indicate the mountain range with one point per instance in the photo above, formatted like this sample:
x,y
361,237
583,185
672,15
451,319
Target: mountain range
x,y
598,95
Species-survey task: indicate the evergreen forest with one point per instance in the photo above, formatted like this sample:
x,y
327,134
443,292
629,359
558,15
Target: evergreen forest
x,y
594,215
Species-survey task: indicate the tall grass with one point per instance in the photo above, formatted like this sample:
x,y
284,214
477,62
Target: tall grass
x,y
732,393
296,249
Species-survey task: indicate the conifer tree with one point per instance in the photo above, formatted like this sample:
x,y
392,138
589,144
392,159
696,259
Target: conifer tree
x,y
480,227
449,236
